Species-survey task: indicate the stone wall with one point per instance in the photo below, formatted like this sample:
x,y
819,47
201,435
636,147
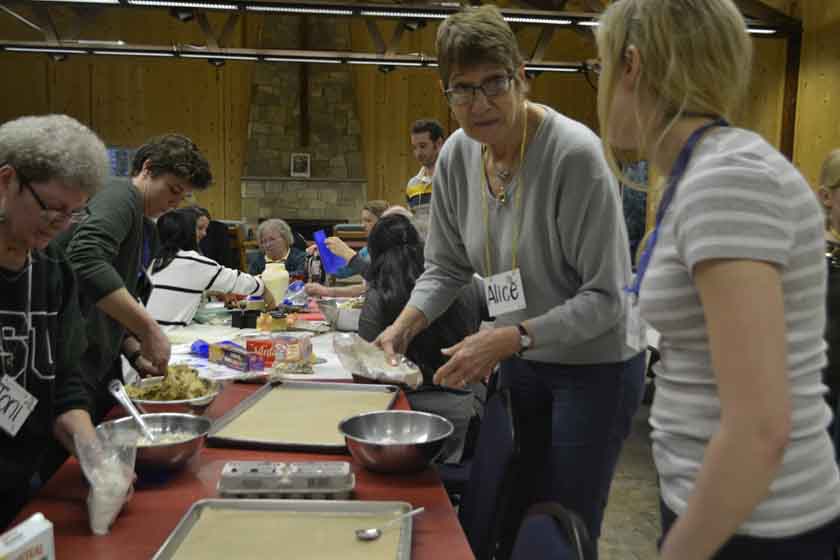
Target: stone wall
x,y
337,186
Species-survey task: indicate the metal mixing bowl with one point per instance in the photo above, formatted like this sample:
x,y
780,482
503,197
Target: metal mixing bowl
x,y
189,406
162,456
340,318
395,441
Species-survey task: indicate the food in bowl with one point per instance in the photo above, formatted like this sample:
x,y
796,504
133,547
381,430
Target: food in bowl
x,y
164,439
181,383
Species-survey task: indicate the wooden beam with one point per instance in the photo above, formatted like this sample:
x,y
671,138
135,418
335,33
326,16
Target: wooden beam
x,y
395,39
204,24
791,94
376,36
546,34
45,21
21,18
757,9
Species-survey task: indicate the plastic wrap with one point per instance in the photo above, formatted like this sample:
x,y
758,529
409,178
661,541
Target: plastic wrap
x,y
109,468
363,359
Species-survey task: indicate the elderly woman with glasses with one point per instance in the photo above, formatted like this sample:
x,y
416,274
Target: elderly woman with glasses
x,y
524,197
49,167
277,243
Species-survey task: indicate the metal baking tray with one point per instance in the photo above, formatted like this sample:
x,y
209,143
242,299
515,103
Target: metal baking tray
x,y
173,541
216,441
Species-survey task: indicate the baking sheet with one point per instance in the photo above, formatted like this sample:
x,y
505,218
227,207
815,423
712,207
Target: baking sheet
x,y
311,529
298,416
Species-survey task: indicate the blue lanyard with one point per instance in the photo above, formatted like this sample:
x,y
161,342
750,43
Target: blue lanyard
x,y
680,167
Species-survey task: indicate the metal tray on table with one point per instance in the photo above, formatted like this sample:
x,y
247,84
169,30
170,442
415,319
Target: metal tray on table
x,y
217,439
364,513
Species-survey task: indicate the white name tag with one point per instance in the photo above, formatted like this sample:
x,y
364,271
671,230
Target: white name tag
x,y
635,331
504,293
16,404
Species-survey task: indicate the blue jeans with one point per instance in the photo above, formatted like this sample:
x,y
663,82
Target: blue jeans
x,y
572,421
817,544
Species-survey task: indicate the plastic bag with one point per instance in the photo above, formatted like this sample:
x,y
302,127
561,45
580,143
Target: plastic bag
x,y
109,468
363,359
295,294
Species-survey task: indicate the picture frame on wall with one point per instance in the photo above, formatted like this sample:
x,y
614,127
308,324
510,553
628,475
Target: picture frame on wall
x,y
299,165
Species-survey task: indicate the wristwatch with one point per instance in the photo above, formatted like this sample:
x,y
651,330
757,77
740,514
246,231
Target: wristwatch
x,y
525,340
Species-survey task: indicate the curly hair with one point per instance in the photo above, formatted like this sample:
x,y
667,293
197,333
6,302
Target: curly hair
x,y
175,154
50,147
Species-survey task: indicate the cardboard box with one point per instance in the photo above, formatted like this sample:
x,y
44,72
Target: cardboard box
x,y
235,357
30,540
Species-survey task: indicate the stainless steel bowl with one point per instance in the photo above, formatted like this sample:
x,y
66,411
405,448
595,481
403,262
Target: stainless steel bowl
x,y
162,456
189,406
395,441
340,318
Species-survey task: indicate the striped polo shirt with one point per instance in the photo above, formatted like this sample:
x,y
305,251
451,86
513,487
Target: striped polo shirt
x,y
741,199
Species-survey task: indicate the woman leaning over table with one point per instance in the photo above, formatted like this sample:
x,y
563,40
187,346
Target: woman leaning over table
x,y
734,280
524,197
49,168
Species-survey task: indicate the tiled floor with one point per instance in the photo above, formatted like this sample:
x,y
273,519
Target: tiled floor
x,y
631,524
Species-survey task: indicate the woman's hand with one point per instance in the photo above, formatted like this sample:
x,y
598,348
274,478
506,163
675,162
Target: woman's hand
x,y
474,357
144,367
270,302
340,248
316,289
395,338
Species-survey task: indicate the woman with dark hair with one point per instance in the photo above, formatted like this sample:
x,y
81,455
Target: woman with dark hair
x,y
396,253
180,274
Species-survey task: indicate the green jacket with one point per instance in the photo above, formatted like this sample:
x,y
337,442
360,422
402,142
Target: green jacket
x,y
105,252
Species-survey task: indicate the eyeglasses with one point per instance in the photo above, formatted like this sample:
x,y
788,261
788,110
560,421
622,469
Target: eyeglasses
x,y
51,215
465,94
592,71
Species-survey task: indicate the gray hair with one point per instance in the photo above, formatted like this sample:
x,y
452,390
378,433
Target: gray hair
x,y
278,226
476,36
59,147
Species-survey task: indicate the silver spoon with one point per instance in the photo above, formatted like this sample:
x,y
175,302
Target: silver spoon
x,y
375,532
118,390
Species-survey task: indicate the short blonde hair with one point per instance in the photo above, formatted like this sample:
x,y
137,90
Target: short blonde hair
x,y
695,60
376,207
830,172
477,36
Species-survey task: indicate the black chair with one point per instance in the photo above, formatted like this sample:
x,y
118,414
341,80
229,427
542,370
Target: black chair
x,y
551,532
216,245
492,477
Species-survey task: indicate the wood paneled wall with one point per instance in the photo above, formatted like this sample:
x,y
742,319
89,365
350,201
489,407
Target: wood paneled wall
x,y
818,112
127,99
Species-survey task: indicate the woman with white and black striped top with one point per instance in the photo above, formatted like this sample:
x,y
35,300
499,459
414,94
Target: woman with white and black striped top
x,y
181,275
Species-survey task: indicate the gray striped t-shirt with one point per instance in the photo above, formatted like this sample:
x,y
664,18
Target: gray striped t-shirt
x,y
740,199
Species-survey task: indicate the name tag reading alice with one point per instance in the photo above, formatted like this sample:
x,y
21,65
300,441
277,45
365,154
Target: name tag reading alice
x,y
504,293
16,404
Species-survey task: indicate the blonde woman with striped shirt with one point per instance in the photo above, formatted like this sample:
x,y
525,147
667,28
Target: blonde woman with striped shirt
x,y
734,280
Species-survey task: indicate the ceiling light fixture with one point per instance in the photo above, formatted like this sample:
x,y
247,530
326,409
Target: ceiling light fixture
x,y
183,4
215,56
565,69
761,31
85,1
544,21
403,14
135,53
47,50
589,23
301,60
299,10
386,62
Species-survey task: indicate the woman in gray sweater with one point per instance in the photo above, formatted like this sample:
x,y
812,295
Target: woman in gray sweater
x,y
524,197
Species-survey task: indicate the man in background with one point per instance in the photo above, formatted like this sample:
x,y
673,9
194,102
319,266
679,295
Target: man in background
x,y
426,140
